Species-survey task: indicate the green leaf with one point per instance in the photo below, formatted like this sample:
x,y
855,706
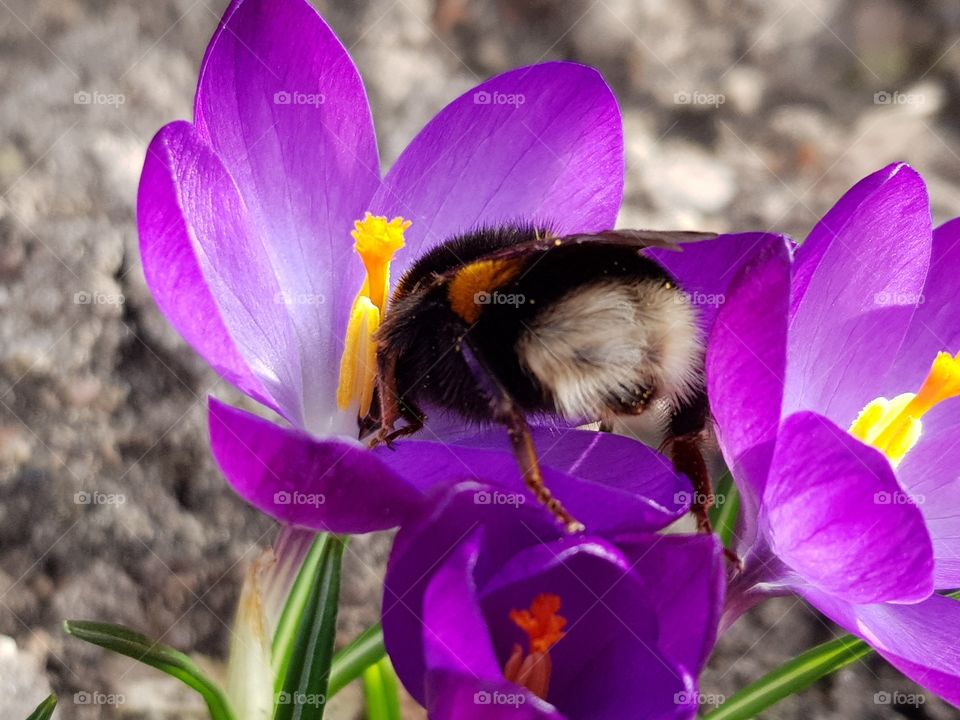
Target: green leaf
x,y
723,514
348,664
45,709
795,676
291,618
304,687
173,662
792,677
380,691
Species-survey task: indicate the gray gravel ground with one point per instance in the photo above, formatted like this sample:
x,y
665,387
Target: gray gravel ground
x,y
752,114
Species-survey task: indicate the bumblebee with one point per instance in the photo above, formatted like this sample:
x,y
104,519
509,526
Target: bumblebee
x,y
505,323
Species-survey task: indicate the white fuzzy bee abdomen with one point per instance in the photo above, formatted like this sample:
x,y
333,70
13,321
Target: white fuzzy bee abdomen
x,y
609,339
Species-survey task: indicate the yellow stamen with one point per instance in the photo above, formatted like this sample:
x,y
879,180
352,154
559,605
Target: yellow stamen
x,y
893,426
544,628
376,241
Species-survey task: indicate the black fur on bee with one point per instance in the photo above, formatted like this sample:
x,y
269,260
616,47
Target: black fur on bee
x,y
503,323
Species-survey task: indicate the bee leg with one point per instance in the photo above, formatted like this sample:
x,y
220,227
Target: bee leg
x,y
414,418
687,459
505,410
684,446
526,454
388,400
387,435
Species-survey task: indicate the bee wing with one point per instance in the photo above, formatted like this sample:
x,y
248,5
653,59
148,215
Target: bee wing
x,y
669,239
639,239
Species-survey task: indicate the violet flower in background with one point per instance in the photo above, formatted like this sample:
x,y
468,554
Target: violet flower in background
x,y
831,381
490,611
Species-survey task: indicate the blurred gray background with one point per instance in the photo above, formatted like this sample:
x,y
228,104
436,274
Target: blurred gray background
x,y
738,115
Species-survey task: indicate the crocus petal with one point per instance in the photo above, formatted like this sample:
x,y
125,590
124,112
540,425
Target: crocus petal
x,y
465,679
859,302
608,482
207,271
919,640
831,226
935,326
687,579
834,514
453,514
706,268
455,636
930,475
541,143
282,103
455,696
746,364
609,664
333,485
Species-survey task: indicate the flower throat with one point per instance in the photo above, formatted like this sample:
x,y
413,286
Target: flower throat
x,y
894,426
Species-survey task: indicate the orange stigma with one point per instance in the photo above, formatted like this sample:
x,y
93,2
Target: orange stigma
x,y
544,628
541,622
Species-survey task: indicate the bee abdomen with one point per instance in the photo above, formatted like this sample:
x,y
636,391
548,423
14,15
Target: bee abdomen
x,y
613,346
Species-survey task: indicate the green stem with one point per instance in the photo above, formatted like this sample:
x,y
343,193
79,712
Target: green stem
x,y
348,664
723,515
381,691
292,614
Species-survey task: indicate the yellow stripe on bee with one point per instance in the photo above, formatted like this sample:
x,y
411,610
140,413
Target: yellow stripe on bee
x,y
471,288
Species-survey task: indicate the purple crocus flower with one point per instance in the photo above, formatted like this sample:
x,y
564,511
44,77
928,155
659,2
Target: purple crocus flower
x,y
830,379
246,216
490,611
245,219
